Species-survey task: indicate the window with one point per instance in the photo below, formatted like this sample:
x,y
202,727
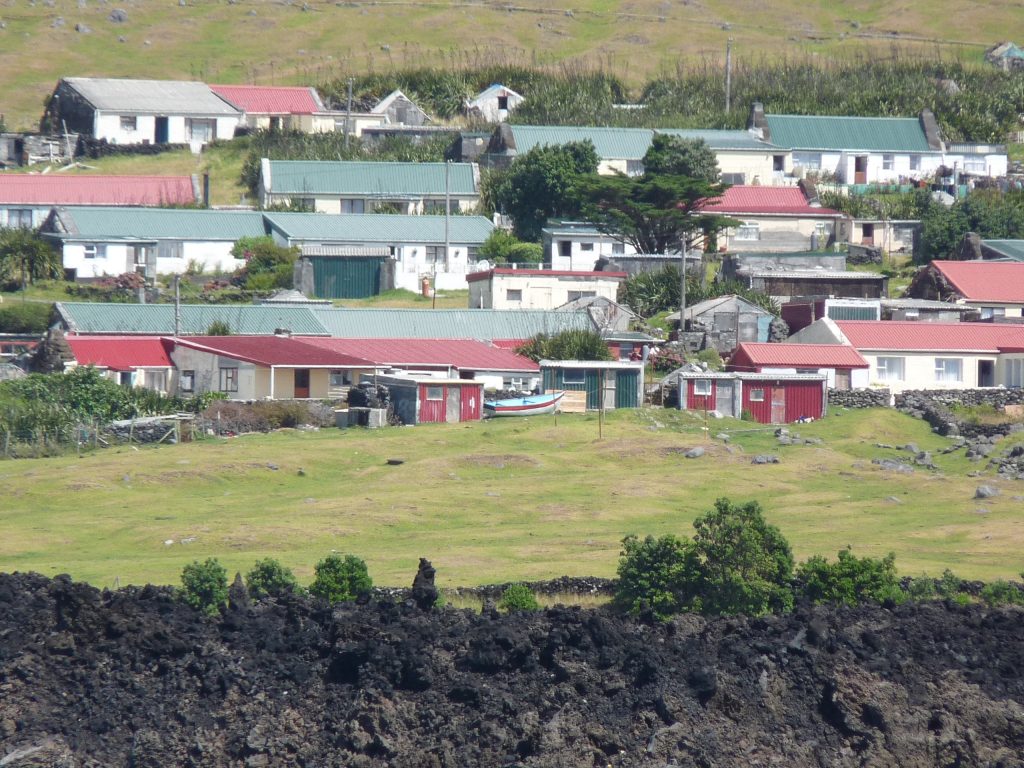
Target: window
x,y
574,376
19,217
889,369
702,387
156,380
228,379
574,295
915,162
975,165
757,395
503,102
187,382
987,313
167,249
435,254
94,251
618,248
340,378
514,294
200,130
1015,373
734,178
129,123
124,378
949,369
565,248
811,161
888,162
353,206
748,230
435,393
778,163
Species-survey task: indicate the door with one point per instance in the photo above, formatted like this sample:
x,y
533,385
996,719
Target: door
x,y
301,383
867,234
593,381
471,402
723,397
986,373
162,133
778,405
860,169
454,405
842,379
626,385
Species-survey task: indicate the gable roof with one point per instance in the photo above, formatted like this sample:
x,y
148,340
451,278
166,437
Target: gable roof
x,y
882,335
720,139
369,179
757,354
558,274
753,200
86,189
464,354
271,99
178,97
709,305
494,88
120,353
626,143
273,350
1009,249
834,133
158,319
382,106
101,223
995,281
493,325
396,229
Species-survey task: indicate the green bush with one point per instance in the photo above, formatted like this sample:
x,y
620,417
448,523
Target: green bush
x,y
341,578
1002,593
949,585
850,580
269,577
25,317
567,345
661,574
922,589
204,586
518,597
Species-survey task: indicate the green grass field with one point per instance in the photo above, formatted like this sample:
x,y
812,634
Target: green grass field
x,y
495,501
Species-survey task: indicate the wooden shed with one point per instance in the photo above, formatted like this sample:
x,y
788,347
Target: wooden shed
x,y
768,398
608,385
433,400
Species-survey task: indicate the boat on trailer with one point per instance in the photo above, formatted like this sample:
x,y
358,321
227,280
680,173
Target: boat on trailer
x,y
531,405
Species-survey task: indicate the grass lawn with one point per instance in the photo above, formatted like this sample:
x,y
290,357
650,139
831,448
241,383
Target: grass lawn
x,y
493,501
402,299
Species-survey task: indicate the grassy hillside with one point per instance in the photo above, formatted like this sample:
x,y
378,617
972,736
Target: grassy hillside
x,y
494,501
317,41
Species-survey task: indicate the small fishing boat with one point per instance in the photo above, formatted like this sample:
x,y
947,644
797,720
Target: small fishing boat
x,y
524,406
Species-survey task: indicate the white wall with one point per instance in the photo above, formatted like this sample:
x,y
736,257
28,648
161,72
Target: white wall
x,y
537,291
413,267
919,370
579,258
108,126
119,258
334,203
757,167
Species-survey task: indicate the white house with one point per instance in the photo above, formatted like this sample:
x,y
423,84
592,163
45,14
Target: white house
x,y
493,104
576,245
142,111
507,288
994,288
277,107
400,110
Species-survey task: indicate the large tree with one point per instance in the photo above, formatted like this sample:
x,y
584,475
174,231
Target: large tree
x,y
535,187
25,257
674,156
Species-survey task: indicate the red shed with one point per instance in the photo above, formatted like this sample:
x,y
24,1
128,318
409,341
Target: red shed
x,y
431,399
768,398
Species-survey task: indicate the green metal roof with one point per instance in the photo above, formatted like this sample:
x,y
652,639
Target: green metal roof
x,y
362,228
872,134
96,223
483,324
370,179
1011,249
721,140
158,319
610,143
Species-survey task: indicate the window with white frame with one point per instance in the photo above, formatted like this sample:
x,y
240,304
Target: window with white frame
x,y
574,376
757,395
574,295
19,217
702,387
94,251
340,378
514,294
586,247
187,381
200,130
811,161
889,368
129,123
748,230
435,254
888,162
228,379
353,206
618,248
949,369
435,393
1015,373
915,162
975,165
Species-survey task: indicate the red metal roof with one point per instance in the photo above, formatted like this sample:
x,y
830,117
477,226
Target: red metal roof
x,y
945,337
270,99
985,280
751,200
121,353
463,354
474,276
84,189
751,355
274,350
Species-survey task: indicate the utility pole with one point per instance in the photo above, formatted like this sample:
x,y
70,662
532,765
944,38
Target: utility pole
x,y
682,289
728,74
447,210
177,306
348,113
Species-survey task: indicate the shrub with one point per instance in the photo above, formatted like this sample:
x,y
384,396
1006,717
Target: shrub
x,y
269,577
1002,593
25,317
661,574
341,578
518,597
921,589
850,580
949,585
204,586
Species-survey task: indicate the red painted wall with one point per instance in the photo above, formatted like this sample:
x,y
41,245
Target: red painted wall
x,y
472,402
803,398
432,411
699,402
760,410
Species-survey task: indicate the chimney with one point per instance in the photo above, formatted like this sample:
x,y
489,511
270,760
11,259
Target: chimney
x,y
757,124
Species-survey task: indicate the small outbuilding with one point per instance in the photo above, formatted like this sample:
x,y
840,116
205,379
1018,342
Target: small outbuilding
x,y
766,398
615,384
432,399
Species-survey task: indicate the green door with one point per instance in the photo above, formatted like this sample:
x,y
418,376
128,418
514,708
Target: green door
x,y
346,278
625,389
594,389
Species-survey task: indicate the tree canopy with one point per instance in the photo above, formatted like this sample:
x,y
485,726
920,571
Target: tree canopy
x,y
567,345
26,257
674,156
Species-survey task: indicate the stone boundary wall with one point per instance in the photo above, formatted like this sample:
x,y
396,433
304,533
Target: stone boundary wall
x,y
859,398
933,405
566,585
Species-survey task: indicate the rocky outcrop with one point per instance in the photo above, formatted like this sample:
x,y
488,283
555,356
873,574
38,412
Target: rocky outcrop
x,y
135,678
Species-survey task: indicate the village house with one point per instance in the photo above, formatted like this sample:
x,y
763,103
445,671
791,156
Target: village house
x,y
141,111
277,108
571,245
841,365
423,399
132,361
363,187
493,104
995,289
725,321
508,288
742,263
27,199
100,241
801,313
399,109
786,285
766,398
887,235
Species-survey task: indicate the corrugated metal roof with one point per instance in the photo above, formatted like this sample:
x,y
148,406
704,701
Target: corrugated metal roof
x,y
756,354
196,319
557,274
370,179
464,354
752,200
812,274
176,97
84,189
926,304
721,139
1011,249
872,134
484,324
273,350
93,223
931,337
271,99
365,228
610,143
995,281
120,353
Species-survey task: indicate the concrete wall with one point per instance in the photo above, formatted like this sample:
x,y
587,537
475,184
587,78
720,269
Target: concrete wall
x,y
120,258
584,250
108,126
781,234
756,167
537,291
207,373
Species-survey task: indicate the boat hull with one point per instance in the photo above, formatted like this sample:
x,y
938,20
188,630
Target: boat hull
x,y
535,405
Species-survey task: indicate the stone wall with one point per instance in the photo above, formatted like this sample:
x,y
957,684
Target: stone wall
x,y
859,398
933,405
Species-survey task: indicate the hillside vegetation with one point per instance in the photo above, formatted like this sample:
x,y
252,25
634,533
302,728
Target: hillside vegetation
x,y
496,501
318,41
